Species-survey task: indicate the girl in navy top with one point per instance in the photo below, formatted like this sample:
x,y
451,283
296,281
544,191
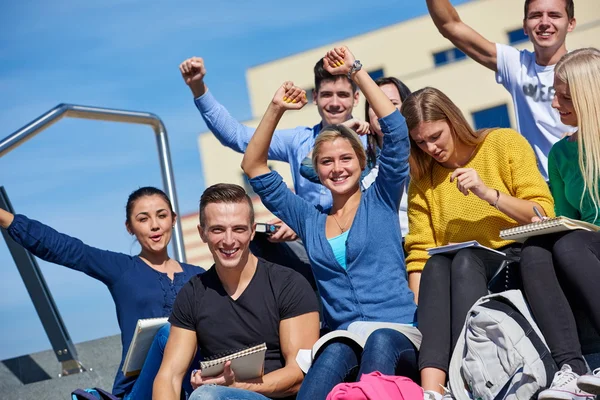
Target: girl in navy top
x,y
354,247
142,286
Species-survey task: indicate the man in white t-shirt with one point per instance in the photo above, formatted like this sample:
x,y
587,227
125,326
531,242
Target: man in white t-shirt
x,y
527,76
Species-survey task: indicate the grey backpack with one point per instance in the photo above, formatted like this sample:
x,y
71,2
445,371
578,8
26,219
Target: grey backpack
x,y
501,353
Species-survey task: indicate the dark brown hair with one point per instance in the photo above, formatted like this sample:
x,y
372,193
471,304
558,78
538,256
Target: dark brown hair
x,y
224,193
569,7
143,192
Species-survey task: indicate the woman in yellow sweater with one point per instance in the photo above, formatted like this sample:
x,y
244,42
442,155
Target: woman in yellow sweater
x,y
465,185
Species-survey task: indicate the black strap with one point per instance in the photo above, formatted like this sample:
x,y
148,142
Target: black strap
x,y
505,306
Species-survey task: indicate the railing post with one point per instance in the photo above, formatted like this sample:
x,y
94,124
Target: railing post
x,y
42,300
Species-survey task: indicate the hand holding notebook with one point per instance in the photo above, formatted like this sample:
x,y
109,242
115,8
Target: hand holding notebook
x,y
246,364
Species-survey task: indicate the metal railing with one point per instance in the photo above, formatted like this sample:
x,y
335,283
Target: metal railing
x,y
30,272
36,126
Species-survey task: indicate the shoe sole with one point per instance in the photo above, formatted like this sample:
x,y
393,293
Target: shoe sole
x,y
559,395
589,387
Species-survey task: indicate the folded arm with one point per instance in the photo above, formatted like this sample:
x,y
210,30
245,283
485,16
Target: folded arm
x,y
448,22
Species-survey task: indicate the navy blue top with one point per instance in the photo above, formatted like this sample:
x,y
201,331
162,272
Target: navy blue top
x,y
138,290
374,285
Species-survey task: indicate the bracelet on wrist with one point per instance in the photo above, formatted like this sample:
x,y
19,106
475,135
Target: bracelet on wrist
x,y
495,203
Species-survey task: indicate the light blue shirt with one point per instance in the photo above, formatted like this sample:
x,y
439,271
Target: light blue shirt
x,y
288,145
338,246
374,285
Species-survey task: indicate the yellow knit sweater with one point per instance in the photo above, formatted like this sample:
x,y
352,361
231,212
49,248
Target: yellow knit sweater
x,y
438,213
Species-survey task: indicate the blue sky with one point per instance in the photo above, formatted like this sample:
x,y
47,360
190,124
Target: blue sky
x,y
76,175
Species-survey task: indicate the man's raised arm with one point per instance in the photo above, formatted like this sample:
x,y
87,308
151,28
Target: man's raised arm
x,y
228,130
448,22
179,353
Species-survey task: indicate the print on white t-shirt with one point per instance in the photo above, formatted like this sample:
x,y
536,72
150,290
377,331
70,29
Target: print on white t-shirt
x,y
532,89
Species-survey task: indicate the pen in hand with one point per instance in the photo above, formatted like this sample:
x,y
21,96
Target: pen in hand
x,y
538,213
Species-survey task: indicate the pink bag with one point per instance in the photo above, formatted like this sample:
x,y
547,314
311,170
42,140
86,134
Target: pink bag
x,y
375,386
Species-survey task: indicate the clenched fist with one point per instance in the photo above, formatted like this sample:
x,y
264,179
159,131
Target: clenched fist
x,y
193,72
290,97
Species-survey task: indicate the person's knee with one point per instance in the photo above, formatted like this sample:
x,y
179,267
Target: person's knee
x,y
465,264
335,351
435,268
385,340
575,241
207,392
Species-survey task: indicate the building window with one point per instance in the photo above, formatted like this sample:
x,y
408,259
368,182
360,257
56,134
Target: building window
x,y
448,56
494,117
517,36
376,74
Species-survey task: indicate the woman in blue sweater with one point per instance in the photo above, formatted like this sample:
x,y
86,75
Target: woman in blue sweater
x,y
142,286
355,247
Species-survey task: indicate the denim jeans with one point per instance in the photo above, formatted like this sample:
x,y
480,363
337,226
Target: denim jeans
x,y
215,392
142,389
386,351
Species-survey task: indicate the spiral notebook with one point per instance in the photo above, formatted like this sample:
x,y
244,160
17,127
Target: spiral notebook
x,y
140,344
546,226
246,364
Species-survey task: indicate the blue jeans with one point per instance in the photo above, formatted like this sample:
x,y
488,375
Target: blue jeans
x,y
387,351
215,392
142,389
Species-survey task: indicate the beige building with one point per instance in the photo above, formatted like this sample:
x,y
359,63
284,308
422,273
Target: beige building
x,y
413,51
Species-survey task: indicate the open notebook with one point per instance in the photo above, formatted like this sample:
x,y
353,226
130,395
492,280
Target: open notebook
x,y
246,364
546,226
140,344
455,247
356,334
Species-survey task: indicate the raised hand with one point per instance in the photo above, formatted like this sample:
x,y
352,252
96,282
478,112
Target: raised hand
x,y
338,61
290,97
358,125
193,72
468,180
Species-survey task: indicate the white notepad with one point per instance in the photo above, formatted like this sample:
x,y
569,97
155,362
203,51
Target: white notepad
x,y
546,226
246,364
140,344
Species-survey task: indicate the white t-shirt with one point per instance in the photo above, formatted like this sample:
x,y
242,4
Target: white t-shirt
x,y
532,89
402,215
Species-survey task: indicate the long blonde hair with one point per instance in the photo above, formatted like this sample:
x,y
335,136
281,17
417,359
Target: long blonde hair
x,y
332,132
580,70
428,105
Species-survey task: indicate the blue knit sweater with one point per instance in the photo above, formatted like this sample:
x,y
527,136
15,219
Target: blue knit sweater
x,y
138,290
374,286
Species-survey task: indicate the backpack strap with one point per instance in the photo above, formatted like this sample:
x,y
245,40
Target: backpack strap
x,y
499,304
104,395
80,394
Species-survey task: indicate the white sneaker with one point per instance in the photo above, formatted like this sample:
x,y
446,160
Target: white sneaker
x,y
433,395
590,383
564,387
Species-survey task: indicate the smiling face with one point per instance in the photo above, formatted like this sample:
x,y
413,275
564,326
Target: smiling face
x,y
227,231
338,166
151,221
391,91
335,100
563,103
547,24
435,138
